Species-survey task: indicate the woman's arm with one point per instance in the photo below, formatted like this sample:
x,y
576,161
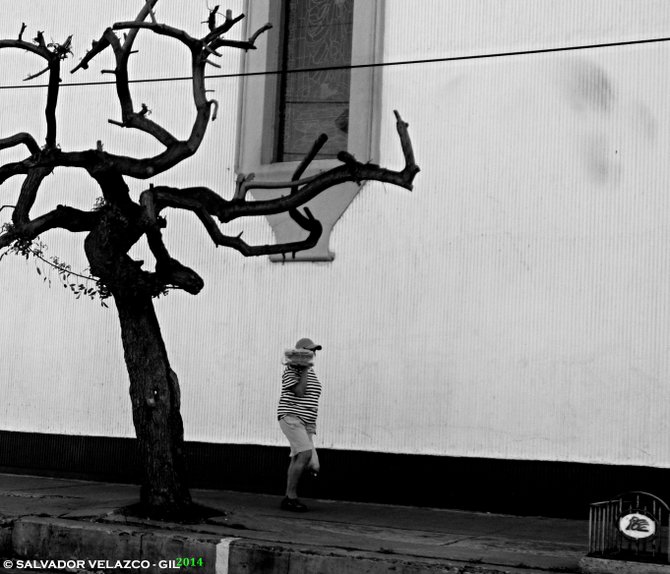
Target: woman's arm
x,y
301,386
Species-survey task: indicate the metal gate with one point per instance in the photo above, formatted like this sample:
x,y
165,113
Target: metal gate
x,y
632,526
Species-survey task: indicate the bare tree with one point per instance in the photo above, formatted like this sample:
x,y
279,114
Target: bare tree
x,y
120,221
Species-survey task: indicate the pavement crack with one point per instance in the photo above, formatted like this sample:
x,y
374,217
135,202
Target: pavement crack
x,y
208,527
457,540
37,496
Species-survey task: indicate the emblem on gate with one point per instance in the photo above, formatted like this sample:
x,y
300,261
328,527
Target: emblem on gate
x,y
637,526
632,526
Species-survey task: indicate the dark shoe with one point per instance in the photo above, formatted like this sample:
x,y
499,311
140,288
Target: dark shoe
x,y
293,505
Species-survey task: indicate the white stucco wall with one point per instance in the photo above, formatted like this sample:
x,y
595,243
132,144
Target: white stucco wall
x,y
514,305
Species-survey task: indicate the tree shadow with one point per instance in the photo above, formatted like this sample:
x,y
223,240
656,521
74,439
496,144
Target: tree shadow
x,y
188,514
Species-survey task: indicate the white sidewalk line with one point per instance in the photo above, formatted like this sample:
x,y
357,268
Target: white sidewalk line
x,y
223,555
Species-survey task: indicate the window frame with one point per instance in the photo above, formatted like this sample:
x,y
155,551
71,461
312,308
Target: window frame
x,y
259,92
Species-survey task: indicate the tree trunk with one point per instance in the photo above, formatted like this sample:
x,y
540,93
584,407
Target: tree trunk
x,y
154,387
154,391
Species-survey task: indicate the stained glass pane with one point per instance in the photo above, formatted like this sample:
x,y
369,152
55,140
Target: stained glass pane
x,y
317,34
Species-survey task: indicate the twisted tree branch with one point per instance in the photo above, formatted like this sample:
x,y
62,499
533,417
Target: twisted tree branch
x,y
145,167
352,170
131,221
225,27
52,100
53,57
171,273
294,214
250,44
62,217
13,168
208,205
27,197
130,118
147,10
40,50
107,39
18,139
168,270
176,150
162,30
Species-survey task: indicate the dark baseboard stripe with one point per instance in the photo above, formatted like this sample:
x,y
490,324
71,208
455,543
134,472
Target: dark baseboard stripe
x,y
489,485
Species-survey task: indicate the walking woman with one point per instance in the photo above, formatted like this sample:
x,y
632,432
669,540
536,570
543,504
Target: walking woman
x,y
297,412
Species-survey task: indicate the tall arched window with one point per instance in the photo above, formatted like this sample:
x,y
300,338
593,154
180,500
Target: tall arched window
x,y
284,111
315,35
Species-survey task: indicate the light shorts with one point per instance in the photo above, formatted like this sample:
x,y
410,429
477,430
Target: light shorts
x,y
296,433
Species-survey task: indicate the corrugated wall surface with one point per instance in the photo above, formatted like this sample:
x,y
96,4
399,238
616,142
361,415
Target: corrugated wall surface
x,y
514,305
549,179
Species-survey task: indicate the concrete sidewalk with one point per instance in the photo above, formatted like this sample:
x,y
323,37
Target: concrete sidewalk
x,y
70,520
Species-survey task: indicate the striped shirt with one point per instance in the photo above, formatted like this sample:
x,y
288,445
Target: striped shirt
x,y
306,407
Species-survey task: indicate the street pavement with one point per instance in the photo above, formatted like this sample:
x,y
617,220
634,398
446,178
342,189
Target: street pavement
x,y
73,520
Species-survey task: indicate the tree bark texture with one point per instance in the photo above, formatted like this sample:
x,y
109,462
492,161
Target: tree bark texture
x,y
155,396
154,387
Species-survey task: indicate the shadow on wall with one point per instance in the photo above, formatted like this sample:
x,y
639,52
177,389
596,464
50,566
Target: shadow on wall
x,y
612,124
